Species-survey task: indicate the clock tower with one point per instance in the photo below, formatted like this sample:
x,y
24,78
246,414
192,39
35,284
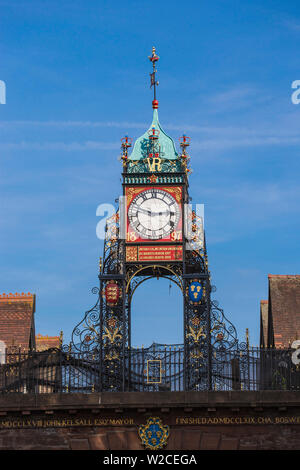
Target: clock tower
x,y
154,233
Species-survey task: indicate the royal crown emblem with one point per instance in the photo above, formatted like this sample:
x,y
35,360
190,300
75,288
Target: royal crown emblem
x,y
154,434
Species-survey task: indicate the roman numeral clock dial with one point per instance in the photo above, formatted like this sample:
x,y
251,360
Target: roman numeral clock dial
x,y
154,214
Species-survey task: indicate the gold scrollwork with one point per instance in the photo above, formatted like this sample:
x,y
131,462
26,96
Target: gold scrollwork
x,y
175,190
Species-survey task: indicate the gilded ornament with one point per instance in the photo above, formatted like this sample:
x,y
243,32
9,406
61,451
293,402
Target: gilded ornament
x,y
112,335
196,335
154,435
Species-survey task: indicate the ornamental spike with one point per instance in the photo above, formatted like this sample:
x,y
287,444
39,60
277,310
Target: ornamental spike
x,y
126,143
153,83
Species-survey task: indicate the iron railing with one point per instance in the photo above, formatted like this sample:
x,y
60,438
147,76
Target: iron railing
x,y
158,368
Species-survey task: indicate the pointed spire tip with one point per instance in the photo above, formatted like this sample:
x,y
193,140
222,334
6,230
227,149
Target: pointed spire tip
x,y
153,82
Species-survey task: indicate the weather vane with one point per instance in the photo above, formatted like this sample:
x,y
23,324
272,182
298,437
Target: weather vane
x,y
154,58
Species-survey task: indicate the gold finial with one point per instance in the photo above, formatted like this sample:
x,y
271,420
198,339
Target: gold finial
x,y
61,336
153,58
247,338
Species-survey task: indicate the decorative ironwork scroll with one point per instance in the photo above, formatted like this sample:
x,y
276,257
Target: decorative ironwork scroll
x,y
85,336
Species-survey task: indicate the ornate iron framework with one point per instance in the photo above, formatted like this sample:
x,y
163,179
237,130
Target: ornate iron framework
x,y
157,368
105,330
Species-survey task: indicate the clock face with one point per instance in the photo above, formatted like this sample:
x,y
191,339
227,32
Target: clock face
x,y
154,214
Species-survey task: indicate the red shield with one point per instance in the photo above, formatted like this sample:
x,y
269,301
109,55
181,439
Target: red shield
x,y
112,293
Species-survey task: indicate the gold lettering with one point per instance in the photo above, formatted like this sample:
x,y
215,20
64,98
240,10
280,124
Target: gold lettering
x,y
155,164
239,420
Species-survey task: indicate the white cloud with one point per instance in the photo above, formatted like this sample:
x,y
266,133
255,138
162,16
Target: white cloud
x,y
233,211
233,95
81,124
282,133
64,146
223,144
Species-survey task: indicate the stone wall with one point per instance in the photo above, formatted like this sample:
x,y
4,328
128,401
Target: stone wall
x,y
110,421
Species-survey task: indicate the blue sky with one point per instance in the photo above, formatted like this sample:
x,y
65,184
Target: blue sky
x,y
77,78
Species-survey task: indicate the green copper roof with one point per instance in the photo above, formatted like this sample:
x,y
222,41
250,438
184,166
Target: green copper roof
x,y
167,146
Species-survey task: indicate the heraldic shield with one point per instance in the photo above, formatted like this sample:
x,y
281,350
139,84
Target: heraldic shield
x,y
195,292
154,434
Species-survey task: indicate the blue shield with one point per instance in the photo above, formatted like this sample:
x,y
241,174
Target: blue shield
x,y
154,434
195,291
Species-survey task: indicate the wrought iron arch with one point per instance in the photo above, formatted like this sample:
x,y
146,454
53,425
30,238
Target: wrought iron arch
x,y
158,271
140,281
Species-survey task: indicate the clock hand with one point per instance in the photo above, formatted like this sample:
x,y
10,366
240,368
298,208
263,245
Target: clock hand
x,y
145,211
151,213
139,209
163,213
